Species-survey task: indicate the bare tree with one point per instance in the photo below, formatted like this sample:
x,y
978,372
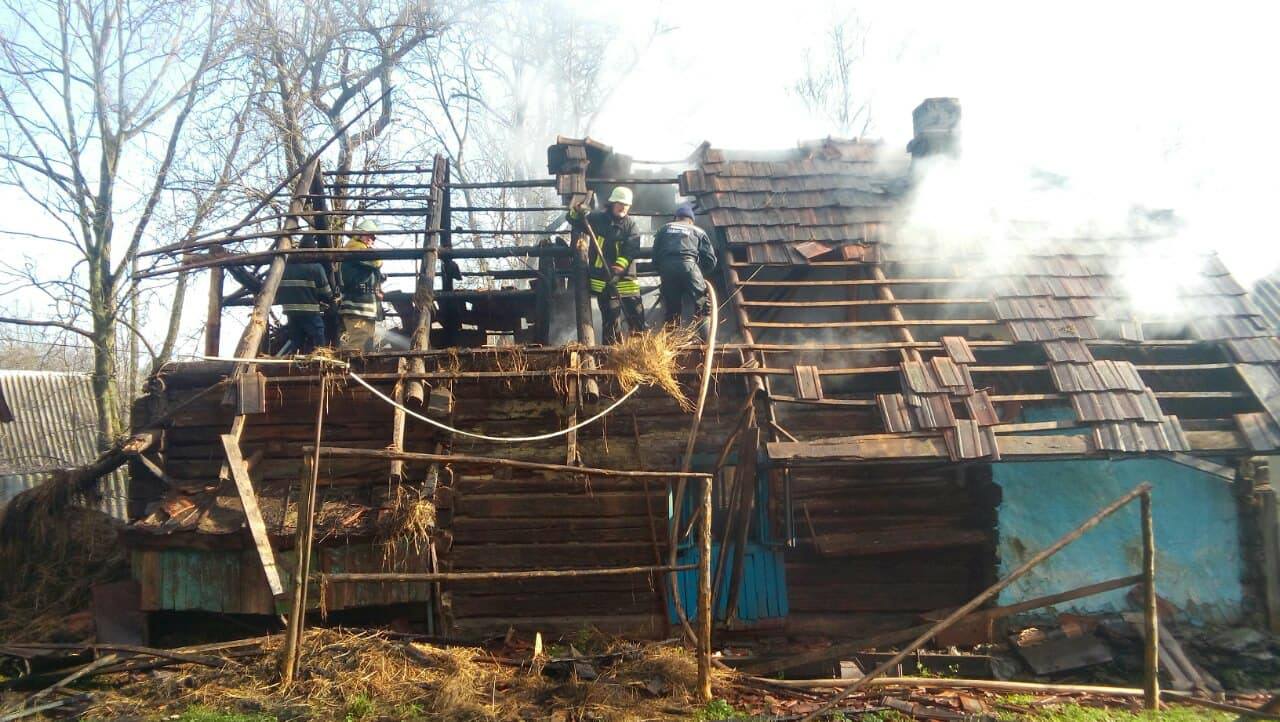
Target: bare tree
x,y
91,90
321,62
830,85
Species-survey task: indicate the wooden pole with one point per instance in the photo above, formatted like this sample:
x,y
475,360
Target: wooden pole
x,y
257,326
1151,621
353,577
581,290
213,318
982,598
887,639
305,536
397,424
704,596
424,292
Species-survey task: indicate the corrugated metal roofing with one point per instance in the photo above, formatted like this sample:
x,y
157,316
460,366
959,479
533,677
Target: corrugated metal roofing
x,y
54,426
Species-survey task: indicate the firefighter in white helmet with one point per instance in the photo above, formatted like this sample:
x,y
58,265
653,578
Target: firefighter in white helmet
x,y
613,276
361,292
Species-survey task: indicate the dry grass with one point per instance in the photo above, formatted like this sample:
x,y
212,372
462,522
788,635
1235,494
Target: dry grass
x,y
652,358
408,522
352,676
52,551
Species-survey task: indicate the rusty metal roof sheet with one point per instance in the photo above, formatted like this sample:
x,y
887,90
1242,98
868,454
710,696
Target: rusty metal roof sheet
x,y
895,413
1116,406
1139,436
1052,330
1260,431
1224,327
935,412
967,440
54,426
981,409
951,376
1067,350
958,349
1255,350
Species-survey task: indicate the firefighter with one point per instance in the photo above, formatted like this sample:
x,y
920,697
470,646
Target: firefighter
x,y
613,277
682,253
361,292
303,288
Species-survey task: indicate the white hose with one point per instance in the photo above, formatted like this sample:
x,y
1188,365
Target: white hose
x,y
505,439
706,378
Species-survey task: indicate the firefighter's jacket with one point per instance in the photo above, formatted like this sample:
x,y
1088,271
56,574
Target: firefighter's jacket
x,y
678,240
620,239
360,280
303,287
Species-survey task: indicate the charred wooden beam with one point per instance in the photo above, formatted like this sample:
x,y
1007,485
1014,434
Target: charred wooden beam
x,y
340,452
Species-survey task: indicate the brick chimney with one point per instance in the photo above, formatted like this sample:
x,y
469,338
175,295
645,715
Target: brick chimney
x,y
936,123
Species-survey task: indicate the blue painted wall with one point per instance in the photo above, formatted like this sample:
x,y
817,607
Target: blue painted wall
x,y
1198,555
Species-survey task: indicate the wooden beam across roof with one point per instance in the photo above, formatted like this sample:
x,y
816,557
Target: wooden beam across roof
x,y
890,448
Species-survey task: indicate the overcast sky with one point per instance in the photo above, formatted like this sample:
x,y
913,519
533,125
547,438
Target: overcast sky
x,y
1165,105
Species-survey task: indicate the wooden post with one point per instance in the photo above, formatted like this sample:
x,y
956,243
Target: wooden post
x,y
581,290
704,596
981,599
213,320
424,292
302,548
257,326
257,527
590,390
1151,622
397,424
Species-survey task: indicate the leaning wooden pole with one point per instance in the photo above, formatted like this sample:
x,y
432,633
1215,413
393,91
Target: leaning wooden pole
x,y
424,290
704,596
1151,621
305,536
981,599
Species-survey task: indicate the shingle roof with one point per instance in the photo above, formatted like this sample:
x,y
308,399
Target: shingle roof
x,y
825,213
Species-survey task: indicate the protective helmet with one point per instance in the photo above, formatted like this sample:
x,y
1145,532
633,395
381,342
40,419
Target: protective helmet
x,y
685,211
621,195
367,226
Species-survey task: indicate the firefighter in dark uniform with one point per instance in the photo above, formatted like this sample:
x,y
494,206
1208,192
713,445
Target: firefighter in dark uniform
x,y
613,277
303,288
361,292
682,253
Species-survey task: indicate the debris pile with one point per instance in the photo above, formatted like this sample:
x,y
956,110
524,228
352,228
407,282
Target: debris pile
x,y
52,553
370,674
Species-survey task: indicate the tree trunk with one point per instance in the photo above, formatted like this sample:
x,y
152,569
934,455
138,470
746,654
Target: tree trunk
x,y
106,394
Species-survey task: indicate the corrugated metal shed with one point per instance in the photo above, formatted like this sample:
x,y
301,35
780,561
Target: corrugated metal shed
x,y
54,426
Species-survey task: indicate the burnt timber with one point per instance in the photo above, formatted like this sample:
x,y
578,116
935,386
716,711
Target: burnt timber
x,y
869,387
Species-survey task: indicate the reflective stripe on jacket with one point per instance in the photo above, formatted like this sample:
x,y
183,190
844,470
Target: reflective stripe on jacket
x,y
620,239
360,280
303,287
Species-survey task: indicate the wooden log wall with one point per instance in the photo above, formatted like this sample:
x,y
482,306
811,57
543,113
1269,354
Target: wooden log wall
x,y
876,547
517,520
487,519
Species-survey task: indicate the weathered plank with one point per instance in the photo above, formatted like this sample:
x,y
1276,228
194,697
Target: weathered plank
x,y
249,500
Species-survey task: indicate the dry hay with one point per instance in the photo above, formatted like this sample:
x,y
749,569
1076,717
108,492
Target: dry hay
x,y
351,676
52,552
512,361
652,358
406,523
449,362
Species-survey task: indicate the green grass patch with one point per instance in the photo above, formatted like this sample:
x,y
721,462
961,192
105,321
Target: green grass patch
x,y
1079,713
205,714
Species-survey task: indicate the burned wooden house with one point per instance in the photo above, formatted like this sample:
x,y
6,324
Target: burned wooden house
x,y
892,423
